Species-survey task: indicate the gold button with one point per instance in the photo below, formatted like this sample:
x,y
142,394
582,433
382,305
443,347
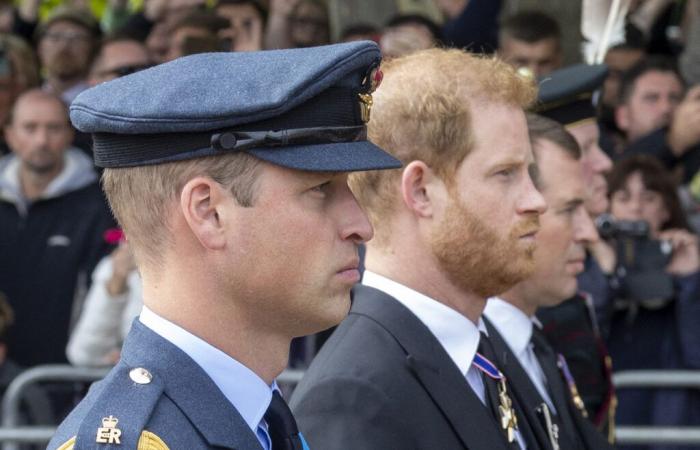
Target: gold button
x,y
140,375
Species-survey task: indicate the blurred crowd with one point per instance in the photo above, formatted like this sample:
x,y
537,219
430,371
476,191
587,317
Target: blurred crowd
x,y
69,283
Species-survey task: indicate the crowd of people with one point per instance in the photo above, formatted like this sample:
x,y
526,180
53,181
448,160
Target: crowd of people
x,y
615,283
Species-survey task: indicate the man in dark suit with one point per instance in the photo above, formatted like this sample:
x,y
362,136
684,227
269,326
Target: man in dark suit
x,y
454,227
228,173
541,381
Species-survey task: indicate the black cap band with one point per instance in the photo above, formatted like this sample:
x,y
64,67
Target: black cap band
x,y
123,150
568,110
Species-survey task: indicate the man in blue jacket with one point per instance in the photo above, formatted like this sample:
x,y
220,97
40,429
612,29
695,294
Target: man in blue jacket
x,y
228,173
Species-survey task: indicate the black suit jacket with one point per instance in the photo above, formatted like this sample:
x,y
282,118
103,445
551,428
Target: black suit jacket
x,y
383,381
576,432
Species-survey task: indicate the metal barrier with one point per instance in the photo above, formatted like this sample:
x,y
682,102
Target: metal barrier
x,y
11,434
657,379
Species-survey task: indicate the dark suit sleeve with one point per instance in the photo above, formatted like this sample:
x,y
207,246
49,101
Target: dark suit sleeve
x,y
344,414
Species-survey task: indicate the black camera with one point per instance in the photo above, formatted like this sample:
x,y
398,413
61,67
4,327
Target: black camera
x,y
641,260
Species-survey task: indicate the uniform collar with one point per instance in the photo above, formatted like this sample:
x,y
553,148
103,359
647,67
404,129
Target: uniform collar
x,y
246,391
513,324
458,335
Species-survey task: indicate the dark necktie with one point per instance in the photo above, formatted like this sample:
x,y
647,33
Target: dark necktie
x,y
493,399
281,425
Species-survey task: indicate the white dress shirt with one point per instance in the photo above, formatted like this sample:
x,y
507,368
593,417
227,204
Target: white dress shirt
x,y
516,328
246,391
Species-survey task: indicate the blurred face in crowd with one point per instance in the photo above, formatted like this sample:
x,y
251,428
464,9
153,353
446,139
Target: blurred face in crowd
x,y
485,239
308,226
7,18
39,132
540,57
309,25
404,39
636,202
8,90
565,228
182,37
595,165
64,50
654,97
158,41
618,61
117,59
247,26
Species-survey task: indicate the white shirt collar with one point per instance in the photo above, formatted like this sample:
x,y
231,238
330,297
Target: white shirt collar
x,y
513,324
246,391
458,335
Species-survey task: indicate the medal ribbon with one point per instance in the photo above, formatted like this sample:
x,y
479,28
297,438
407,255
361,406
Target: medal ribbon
x,y
487,367
561,362
576,397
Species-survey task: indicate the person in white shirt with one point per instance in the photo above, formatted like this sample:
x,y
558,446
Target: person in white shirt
x,y
539,377
115,298
407,369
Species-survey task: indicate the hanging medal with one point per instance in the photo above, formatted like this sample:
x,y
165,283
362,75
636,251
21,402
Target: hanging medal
x,y
508,419
575,396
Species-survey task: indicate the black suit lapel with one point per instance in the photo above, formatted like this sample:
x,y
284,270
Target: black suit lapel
x,y
433,368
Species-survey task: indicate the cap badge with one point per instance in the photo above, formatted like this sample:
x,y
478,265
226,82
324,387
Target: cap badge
x,y
370,83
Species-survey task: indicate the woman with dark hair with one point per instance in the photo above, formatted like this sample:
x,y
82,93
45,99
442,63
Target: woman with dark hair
x,y
659,330
642,189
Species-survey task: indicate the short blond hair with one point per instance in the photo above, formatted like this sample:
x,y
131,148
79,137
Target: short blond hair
x,y
142,197
422,111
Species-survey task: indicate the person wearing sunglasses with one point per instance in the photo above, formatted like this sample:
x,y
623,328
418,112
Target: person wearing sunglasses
x,y
118,56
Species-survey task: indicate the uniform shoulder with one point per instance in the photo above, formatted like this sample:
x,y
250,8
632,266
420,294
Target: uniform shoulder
x,y
147,441
115,412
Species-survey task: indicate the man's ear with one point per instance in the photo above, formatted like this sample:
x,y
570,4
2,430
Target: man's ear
x,y
622,117
418,183
201,200
9,136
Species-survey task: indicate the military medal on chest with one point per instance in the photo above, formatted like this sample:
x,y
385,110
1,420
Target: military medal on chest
x,y
509,422
549,425
506,413
575,396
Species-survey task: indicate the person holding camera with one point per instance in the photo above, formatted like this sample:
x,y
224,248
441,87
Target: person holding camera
x,y
653,263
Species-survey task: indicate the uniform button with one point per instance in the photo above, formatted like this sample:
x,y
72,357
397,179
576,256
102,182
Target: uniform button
x,y
140,375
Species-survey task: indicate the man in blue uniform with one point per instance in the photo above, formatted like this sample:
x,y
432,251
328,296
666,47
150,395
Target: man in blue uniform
x,y
228,173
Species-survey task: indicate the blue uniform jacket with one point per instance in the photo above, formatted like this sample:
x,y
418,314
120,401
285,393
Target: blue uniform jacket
x,y
177,407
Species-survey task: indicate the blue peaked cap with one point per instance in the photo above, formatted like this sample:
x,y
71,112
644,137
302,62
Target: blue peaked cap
x,y
300,108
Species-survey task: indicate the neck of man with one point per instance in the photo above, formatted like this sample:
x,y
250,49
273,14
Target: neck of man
x,y
518,297
225,323
34,183
415,267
